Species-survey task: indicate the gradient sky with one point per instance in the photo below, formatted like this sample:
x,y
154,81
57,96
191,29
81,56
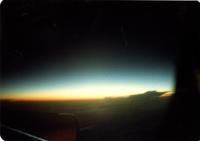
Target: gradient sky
x,y
85,51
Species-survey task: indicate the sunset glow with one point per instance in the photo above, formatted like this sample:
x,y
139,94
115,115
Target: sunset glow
x,y
78,93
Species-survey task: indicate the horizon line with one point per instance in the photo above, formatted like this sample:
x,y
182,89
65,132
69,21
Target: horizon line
x,y
165,93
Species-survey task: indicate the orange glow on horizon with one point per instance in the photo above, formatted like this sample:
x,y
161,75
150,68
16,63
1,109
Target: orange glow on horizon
x,y
167,94
86,92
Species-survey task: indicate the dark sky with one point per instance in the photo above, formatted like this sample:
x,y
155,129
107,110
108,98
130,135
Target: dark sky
x,y
56,44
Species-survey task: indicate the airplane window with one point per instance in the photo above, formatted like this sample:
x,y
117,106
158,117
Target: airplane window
x,y
88,71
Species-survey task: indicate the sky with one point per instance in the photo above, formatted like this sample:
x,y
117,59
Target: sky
x,y
87,51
